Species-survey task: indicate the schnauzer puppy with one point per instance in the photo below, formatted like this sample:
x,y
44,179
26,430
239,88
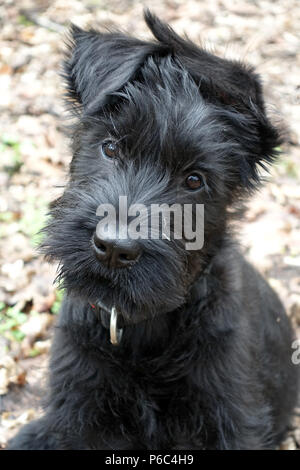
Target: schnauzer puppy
x,y
157,346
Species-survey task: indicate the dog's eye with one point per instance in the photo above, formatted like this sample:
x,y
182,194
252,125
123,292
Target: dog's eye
x,y
109,149
194,181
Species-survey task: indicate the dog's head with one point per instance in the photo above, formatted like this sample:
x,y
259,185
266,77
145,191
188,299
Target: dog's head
x,y
161,122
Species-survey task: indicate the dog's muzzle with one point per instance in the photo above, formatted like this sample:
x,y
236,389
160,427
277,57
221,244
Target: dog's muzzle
x,y
109,319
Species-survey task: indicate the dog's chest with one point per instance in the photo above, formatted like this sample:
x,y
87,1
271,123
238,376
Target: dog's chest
x,y
159,414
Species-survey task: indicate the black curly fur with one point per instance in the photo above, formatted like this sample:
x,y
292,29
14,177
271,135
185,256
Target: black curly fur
x,y
205,360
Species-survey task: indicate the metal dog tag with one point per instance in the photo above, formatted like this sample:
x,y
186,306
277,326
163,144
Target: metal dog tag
x,y
115,332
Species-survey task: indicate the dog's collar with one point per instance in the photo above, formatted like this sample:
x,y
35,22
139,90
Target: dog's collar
x,y
109,320
110,317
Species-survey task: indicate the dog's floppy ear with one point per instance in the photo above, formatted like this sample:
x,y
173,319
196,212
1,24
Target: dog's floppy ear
x,y
219,79
231,84
99,64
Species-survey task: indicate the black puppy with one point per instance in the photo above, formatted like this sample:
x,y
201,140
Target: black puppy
x,y
205,357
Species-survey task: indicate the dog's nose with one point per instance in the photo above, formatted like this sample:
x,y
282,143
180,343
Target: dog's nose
x,y
116,253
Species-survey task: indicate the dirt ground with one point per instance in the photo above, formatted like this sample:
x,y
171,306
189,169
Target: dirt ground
x,y
35,157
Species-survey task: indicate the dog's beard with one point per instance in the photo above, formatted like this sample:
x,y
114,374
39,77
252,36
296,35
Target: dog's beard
x,y
157,283
152,287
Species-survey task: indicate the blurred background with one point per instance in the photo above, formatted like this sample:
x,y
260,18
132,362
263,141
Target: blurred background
x,y
35,157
